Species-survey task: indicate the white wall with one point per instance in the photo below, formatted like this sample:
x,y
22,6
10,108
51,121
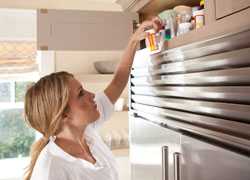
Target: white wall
x,y
17,24
103,5
81,62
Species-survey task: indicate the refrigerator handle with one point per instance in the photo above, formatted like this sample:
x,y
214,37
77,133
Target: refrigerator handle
x,y
165,163
177,166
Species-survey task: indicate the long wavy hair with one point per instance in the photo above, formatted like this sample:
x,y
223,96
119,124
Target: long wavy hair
x,y
46,102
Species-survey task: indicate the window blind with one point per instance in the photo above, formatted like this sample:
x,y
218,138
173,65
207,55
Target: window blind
x,y
17,57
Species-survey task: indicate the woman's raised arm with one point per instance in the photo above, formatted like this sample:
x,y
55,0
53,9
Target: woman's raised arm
x,y
120,79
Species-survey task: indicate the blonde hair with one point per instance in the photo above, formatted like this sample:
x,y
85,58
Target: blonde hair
x,y
45,105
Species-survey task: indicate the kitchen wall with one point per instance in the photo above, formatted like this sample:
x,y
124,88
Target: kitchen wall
x,y
17,24
82,61
21,25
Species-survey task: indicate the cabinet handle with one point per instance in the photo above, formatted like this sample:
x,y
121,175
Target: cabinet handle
x,y
165,163
176,166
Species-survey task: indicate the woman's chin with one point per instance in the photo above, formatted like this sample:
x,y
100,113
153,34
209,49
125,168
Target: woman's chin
x,y
96,116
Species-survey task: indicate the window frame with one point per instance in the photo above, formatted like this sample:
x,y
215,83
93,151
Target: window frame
x,y
16,164
14,167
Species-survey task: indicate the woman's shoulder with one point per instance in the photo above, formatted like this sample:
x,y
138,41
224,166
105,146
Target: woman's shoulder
x,y
49,167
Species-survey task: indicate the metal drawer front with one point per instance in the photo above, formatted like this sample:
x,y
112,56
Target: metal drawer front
x,y
223,138
237,58
239,76
222,125
204,48
231,111
239,94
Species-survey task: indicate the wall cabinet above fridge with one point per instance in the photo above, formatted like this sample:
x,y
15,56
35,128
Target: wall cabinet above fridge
x,y
83,30
222,17
223,9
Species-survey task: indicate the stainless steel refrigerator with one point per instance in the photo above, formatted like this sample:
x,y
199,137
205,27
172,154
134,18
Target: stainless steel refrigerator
x,y
189,113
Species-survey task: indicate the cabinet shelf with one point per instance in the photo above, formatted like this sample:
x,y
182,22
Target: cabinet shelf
x,y
233,24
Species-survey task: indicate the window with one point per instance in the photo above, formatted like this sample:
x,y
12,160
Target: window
x,y
18,68
5,92
15,137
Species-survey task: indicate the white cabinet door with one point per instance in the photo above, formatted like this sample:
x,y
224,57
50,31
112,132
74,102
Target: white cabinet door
x,y
227,7
83,30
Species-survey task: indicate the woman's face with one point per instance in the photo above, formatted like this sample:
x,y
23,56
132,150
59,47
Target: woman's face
x,y
82,107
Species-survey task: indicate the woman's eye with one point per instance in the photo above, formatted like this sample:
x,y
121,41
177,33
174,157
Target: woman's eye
x,y
81,93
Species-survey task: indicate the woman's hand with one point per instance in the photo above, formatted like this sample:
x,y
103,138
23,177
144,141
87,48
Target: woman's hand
x,y
140,33
115,88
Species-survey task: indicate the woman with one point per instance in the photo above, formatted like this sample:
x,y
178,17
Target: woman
x,y
67,115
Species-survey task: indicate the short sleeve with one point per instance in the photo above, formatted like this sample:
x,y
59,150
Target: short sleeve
x,y
105,108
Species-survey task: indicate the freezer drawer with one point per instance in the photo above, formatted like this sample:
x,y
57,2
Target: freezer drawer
x,y
231,111
239,94
237,129
152,150
200,160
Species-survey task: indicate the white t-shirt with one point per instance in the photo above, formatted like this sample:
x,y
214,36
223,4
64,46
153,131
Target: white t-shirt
x,y
54,163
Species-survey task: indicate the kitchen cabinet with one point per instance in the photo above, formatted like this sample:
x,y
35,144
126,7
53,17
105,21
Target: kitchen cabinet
x,y
228,7
152,150
205,161
221,17
154,7
83,30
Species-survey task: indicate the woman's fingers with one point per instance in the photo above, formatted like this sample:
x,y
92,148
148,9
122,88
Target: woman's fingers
x,y
140,33
146,25
157,23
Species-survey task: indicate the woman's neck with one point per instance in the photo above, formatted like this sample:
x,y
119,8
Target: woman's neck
x,y
73,142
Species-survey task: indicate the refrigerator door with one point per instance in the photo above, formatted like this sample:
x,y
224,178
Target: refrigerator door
x,y
152,150
205,161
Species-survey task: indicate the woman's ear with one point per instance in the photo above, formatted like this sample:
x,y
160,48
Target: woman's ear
x,y
65,116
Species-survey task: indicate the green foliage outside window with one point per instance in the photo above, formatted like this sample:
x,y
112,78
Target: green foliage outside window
x,y
4,91
15,137
20,89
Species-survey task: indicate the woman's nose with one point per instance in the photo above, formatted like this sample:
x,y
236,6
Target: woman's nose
x,y
91,95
